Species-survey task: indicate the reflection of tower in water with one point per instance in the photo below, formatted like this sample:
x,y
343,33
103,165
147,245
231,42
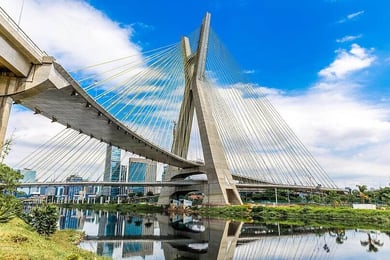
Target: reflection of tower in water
x,y
195,238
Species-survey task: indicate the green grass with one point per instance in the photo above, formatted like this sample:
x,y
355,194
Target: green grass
x,y
227,212
19,241
324,216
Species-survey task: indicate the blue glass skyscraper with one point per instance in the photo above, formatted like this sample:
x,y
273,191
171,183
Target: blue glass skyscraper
x,y
112,169
142,170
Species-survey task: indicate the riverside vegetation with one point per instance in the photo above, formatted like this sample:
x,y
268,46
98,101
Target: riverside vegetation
x,y
33,235
325,216
18,240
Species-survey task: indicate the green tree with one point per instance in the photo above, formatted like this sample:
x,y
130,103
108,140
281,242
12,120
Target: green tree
x,y
9,179
5,149
333,198
382,195
313,198
362,192
9,205
351,198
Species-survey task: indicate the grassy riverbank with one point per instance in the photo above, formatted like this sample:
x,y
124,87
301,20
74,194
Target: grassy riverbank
x,y
324,216
304,215
19,241
231,212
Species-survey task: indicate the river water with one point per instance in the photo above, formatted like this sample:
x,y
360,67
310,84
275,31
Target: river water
x,y
157,236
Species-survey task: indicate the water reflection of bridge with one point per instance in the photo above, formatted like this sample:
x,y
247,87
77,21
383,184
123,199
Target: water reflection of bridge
x,y
171,237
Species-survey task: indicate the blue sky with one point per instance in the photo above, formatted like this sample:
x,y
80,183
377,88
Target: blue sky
x,y
297,38
324,64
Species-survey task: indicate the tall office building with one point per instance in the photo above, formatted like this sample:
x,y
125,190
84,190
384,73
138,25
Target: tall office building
x,y
112,169
28,177
142,170
73,192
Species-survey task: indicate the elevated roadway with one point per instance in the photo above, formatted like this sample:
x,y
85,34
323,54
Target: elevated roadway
x,y
242,187
111,183
250,187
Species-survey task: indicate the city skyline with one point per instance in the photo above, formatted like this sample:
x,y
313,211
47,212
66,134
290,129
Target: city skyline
x,y
328,61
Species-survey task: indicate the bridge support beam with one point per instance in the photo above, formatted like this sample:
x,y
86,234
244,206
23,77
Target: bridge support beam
x,y
221,237
5,109
221,187
9,85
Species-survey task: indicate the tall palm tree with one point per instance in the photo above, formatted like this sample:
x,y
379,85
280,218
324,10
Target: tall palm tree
x,y
333,198
362,189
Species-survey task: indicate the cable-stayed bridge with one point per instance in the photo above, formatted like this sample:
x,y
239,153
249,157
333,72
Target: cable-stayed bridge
x,y
186,105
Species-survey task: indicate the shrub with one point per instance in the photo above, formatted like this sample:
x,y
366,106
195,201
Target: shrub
x,y
10,207
44,219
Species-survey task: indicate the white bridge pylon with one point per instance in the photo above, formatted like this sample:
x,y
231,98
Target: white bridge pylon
x,y
220,189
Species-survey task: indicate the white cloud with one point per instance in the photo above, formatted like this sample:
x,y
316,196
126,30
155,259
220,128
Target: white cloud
x,y
249,71
351,16
349,38
349,136
72,31
347,62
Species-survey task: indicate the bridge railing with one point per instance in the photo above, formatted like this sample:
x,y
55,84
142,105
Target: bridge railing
x,y
15,26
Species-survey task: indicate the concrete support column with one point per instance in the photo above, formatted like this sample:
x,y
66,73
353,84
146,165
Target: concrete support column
x,y
5,110
222,188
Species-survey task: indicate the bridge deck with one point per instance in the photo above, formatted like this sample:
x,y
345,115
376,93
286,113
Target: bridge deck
x,y
110,183
241,186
